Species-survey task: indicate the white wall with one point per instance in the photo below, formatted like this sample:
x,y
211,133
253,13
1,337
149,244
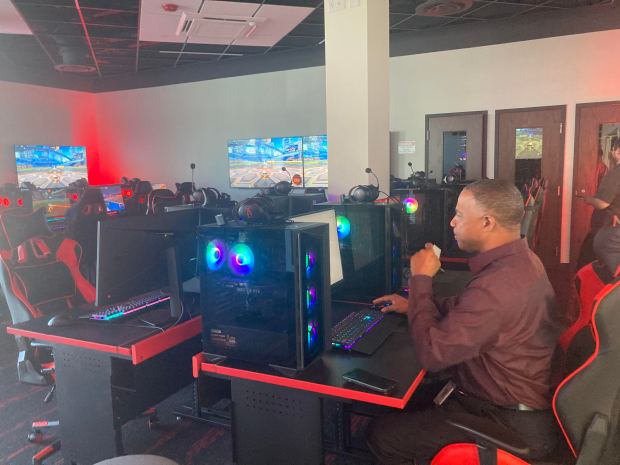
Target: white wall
x,y
555,71
156,133
42,115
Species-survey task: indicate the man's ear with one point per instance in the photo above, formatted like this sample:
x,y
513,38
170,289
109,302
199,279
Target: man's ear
x,y
489,222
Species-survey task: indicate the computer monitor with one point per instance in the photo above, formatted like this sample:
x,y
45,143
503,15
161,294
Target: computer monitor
x,y
315,160
258,163
133,257
50,166
329,217
113,198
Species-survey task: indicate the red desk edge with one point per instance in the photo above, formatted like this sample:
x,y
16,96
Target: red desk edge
x,y
200,366
138,352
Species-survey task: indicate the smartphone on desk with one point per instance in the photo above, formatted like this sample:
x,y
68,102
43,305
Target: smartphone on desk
x,y
370,380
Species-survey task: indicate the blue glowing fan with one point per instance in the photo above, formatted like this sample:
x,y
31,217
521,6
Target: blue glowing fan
x,y
310,297
310,261
343,226
216,254
241,259
313,333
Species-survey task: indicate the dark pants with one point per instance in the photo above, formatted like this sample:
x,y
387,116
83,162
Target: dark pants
x,y
607,247
415,436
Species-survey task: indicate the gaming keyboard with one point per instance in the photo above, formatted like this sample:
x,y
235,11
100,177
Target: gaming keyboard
x,y
129,307
354,326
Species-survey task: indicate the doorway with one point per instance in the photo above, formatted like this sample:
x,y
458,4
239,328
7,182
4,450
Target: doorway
x,y
529,143
456,146
595,125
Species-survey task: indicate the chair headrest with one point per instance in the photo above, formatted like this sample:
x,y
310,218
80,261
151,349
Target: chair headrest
x,y
17,227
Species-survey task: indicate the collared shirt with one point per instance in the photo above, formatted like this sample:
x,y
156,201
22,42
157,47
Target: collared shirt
x,y
498,336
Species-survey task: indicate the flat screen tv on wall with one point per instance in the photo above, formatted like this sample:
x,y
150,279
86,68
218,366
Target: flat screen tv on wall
x,y
258,163
50,166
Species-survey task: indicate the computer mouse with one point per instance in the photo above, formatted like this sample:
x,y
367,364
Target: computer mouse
x,y
380,305
60,320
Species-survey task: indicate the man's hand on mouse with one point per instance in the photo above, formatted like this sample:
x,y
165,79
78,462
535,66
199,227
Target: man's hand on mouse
x,y
396,303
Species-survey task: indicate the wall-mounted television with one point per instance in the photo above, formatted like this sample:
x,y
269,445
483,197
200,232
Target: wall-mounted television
x,y
257,163
315,161
50,166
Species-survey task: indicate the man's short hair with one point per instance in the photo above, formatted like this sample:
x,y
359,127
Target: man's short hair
x,y
500,198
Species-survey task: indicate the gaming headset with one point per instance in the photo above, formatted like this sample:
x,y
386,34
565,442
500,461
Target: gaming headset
x,y
207,196
282,187
259,209
365,192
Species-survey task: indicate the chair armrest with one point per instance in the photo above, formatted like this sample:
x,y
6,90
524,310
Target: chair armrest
x,y
485,434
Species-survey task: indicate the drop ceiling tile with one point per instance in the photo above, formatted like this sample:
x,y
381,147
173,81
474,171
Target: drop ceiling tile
x,y
422,22
499,10
309,30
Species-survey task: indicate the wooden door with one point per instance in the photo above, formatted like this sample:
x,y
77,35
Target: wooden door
x,y
595,124
530,142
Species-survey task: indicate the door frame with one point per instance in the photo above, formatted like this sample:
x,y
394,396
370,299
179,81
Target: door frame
x,y
485,118
573,255
498,113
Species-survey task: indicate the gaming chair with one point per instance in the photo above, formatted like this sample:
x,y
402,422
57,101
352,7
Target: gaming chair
x,y
586,404
135,196
39,272
81,225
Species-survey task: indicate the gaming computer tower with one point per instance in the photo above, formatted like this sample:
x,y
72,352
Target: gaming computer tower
x,y
428,213
371,238
265,295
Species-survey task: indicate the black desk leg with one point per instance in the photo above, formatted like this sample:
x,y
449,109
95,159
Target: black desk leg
x,y
273,425
88,429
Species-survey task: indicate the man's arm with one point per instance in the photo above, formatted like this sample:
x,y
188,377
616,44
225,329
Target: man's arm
x,y
471,324
595,202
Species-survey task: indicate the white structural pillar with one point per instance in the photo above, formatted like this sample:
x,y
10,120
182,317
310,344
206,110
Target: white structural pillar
x,y
358,97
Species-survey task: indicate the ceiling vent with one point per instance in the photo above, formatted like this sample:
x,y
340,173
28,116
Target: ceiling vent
x,y
440,8
74,60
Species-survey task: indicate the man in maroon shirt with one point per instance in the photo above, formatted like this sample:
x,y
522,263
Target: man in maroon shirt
x,y
496,339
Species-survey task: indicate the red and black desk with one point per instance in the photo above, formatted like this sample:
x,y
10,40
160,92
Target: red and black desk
x,y
109,373
277,420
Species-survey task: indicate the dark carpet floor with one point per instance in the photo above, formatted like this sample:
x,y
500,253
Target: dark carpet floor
x,y
186,442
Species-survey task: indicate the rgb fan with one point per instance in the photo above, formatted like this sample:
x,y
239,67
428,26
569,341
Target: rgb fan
x,y
313,333
310,261
343,226
310,297
215,255
241,259
411,205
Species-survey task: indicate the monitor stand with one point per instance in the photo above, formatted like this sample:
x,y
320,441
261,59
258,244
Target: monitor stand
x,y
175,287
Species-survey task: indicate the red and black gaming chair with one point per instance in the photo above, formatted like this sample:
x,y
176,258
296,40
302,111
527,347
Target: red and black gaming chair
x,y
135,196
586,404
40,275
81,225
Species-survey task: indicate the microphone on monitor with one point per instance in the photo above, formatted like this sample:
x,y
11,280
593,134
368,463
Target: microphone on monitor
x,y
370,171
411,167
192,166
290,178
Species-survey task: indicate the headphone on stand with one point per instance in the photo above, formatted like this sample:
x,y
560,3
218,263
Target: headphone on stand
x,y
282,187
259,209
365,192
207,196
